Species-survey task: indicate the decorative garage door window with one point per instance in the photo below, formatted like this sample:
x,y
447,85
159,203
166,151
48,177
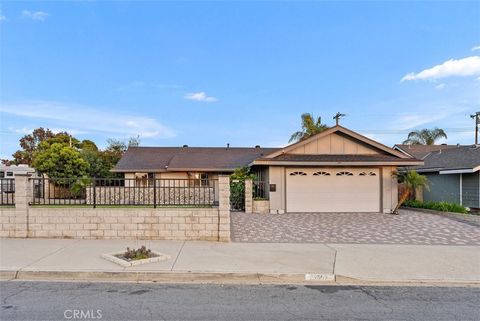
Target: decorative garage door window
x,y
298,174
344,174
369,174
321,174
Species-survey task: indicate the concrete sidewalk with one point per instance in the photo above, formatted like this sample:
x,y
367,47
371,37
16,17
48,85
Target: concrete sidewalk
x,y
67,259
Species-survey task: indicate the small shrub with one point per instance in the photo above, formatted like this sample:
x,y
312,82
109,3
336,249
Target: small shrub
x,y
137,254
437,206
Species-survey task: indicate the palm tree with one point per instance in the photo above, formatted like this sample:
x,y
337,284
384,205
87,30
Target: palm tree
x,y
411,181
310,126
425,136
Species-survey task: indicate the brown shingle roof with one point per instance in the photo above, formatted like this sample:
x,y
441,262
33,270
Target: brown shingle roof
x,y
155,159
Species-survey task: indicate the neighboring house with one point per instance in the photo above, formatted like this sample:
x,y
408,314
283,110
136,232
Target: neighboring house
x,y
453,172
9,171
334,171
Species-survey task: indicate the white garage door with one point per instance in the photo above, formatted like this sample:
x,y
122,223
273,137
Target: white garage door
x,y
333,190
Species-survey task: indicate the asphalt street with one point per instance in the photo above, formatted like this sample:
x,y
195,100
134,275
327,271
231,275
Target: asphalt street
x,y
149,301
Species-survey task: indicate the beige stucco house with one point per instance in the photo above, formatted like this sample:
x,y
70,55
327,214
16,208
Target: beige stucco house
x,y
335,171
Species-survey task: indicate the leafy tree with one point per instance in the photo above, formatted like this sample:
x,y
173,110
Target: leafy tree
x,y
61,161
425,136
116,148
100,165
310,126
237,186
134,141
89,145
411,181
29,144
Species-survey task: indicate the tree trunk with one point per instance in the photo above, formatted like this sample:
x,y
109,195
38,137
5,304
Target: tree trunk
x,y
403,198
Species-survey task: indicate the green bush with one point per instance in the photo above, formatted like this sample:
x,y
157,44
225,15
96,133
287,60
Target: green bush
x,y
437,206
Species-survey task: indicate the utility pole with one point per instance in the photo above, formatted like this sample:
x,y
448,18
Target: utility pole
x,y
337,117
476,116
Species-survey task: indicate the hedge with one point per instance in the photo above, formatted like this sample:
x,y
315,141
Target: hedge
x,y
437,206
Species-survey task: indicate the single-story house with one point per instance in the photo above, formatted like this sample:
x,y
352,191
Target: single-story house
x,y
337,170
453,172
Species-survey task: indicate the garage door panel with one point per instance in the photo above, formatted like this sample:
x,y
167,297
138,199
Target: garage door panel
x,y
320,193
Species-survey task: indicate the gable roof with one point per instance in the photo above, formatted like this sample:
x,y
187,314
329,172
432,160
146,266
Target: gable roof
x,y
161,159
460,158
339,129
420,151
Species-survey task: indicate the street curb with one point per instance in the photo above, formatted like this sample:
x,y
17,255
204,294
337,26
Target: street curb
x,y
345,280
167,277
219,278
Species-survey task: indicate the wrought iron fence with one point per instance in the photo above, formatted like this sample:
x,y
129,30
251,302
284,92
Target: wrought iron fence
x,y
124,191
260,190
7,191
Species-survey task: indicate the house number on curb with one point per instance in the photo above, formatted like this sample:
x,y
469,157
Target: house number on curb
x,y
318,277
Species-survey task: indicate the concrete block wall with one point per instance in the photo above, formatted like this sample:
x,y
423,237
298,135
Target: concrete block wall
x,y
125,223
180,223
248,196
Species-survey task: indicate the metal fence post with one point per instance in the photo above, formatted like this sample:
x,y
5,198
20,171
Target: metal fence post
x,y
94,193
154,192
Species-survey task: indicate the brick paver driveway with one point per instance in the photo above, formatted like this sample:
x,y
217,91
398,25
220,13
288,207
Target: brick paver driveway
x,y
410,227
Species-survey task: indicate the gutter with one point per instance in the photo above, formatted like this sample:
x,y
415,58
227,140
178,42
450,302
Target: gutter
x,y
282,163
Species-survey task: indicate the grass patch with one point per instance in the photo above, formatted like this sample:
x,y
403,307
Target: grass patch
x,y
437,206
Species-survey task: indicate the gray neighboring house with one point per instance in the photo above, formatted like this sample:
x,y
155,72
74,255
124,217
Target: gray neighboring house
x,y
453,172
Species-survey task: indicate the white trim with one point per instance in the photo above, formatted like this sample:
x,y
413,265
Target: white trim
x,y
460,171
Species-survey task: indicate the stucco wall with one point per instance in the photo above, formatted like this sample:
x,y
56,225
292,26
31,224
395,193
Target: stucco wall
x,y
276,176
390,189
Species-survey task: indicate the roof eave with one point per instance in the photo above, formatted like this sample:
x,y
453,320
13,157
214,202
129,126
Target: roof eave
x,y
337,163
169,170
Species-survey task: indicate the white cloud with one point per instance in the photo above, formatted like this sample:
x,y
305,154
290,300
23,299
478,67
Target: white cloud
x,y
81,119
2,17
35,15
440,86
476,48
469,66
200,96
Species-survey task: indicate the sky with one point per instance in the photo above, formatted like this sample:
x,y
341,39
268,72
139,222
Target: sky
x,y
211,73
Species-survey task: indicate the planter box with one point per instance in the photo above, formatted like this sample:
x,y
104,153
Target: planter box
x,y
113,258
261,206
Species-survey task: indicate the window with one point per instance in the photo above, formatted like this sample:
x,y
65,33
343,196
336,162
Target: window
x,y
321,174
9,173
2,174
369,174
298,174
200,179
344,174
